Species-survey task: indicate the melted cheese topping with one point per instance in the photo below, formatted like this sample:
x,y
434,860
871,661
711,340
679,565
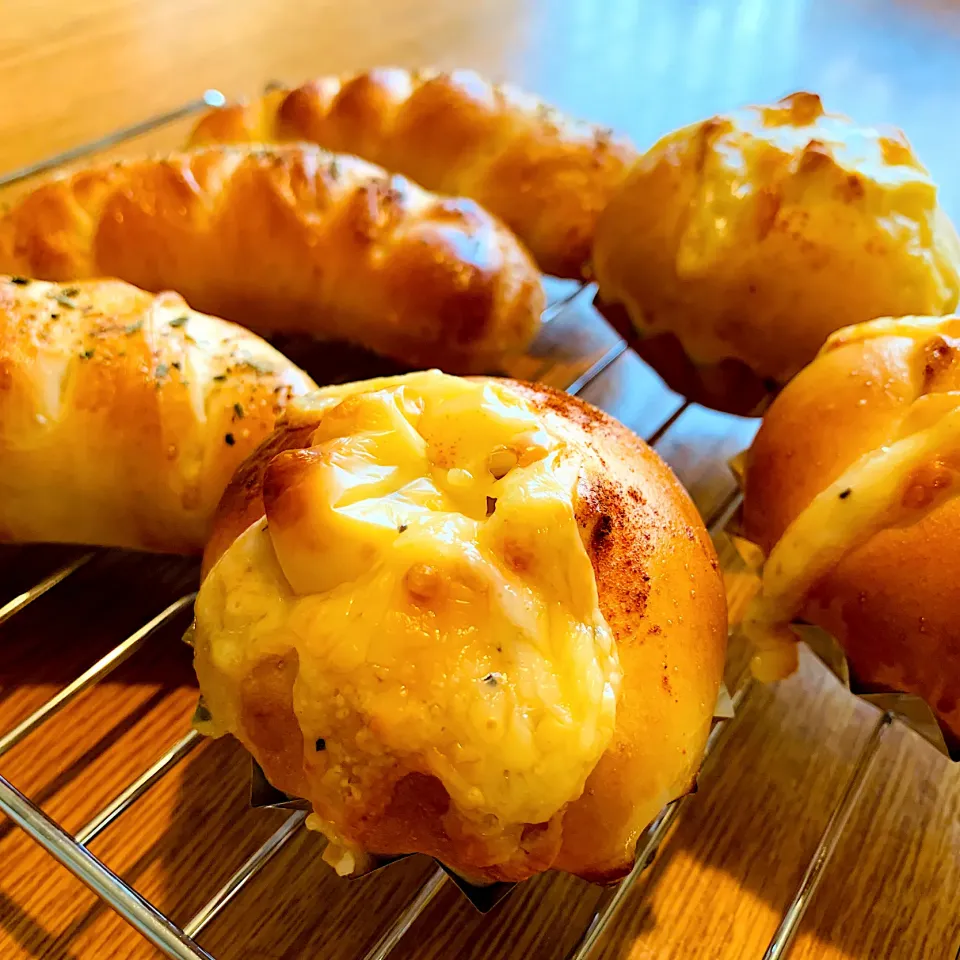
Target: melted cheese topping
x,y
439,600
760,162
916,470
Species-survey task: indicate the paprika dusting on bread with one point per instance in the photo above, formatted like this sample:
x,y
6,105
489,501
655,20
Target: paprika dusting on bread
x,y
455,578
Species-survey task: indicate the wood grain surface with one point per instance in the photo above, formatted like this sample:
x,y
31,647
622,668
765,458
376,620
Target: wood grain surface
x,y
71,71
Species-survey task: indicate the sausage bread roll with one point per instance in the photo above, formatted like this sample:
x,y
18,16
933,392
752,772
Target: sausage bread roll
x,y
546,175
291,239
123,415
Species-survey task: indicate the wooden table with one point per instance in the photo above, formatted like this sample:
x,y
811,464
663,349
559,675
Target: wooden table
x,y
69,72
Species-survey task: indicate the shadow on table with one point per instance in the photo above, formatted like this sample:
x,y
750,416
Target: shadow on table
x,y
64,632
296,906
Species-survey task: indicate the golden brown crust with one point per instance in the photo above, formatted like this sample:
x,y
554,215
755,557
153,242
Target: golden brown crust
x,y
733,234
123,415
891,602
242,501
547,176
662,595
291,239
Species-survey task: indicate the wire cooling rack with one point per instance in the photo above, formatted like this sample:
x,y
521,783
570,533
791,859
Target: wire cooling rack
x,y
567,359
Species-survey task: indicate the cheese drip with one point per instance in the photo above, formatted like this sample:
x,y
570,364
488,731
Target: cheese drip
x,y
915,471
439,602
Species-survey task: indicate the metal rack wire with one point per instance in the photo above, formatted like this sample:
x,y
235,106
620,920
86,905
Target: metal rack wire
x,y
181,943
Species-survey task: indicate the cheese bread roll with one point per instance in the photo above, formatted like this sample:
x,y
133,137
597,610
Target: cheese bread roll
x,y
852,492
475,619
737,245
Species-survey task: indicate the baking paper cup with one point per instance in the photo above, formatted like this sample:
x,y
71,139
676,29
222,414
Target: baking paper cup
x,y
484,897
263,794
